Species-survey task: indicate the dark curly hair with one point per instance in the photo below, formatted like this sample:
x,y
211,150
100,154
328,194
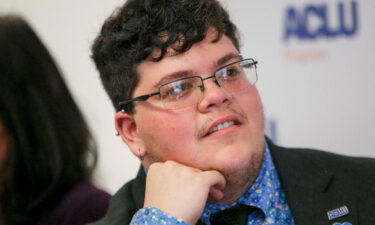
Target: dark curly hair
x,y
131,34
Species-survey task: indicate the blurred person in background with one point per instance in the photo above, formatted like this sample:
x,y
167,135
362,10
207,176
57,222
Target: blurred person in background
x,y
47,153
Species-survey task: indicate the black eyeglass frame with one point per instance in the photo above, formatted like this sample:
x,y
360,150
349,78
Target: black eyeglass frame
x,y
122,104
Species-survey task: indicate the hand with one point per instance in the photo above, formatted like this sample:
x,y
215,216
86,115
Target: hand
x,y
182,191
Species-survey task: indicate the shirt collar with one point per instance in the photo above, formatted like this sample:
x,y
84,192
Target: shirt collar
x,y
263,194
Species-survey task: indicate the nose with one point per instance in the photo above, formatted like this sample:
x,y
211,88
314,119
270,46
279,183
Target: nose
x,y
214,96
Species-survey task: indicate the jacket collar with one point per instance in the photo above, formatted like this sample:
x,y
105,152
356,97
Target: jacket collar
x,y
138,189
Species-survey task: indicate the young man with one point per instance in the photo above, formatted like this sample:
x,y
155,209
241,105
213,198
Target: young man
x,y
188,108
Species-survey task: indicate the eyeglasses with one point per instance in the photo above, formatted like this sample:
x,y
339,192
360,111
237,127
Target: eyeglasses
x,y
188,91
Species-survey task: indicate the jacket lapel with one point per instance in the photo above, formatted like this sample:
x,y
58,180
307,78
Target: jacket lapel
x,y
307,186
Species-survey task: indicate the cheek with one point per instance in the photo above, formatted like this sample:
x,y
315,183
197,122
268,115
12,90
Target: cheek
x,y
252,107
251,103
168,137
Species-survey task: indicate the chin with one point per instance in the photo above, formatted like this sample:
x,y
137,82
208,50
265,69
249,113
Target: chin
x,y
240,171
233,162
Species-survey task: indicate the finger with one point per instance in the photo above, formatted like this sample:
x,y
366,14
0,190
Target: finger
x,y
214,179
215,194
217,183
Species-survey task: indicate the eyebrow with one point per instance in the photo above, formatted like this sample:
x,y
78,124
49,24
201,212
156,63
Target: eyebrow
x,y
226,58
173,76
185,73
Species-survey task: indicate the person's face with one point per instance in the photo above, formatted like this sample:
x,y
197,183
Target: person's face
x,y
182,135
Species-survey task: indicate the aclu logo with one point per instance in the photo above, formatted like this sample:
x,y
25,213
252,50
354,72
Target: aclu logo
x,y
326,20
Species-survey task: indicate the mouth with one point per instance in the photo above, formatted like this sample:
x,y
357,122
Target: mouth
x,y
221,125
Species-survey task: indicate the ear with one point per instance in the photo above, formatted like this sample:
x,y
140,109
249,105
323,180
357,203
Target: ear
x,y
127,129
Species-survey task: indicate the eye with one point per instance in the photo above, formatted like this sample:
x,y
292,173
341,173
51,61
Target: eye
x,y
231,72
176,90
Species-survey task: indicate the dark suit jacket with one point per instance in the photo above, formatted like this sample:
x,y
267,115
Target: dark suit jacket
x,y
315,182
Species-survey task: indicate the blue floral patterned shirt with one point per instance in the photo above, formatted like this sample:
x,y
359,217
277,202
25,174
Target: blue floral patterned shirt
x,y
266,195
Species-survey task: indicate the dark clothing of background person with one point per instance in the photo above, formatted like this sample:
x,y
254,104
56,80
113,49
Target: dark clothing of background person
x,y
82,204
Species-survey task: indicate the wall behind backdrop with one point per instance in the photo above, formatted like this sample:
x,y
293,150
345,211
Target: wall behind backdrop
x,y
316,71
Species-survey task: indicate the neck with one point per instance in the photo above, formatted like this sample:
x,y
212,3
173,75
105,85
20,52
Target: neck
x,y
238,182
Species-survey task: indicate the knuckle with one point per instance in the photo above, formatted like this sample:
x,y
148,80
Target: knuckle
x,y
154,166
169,164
